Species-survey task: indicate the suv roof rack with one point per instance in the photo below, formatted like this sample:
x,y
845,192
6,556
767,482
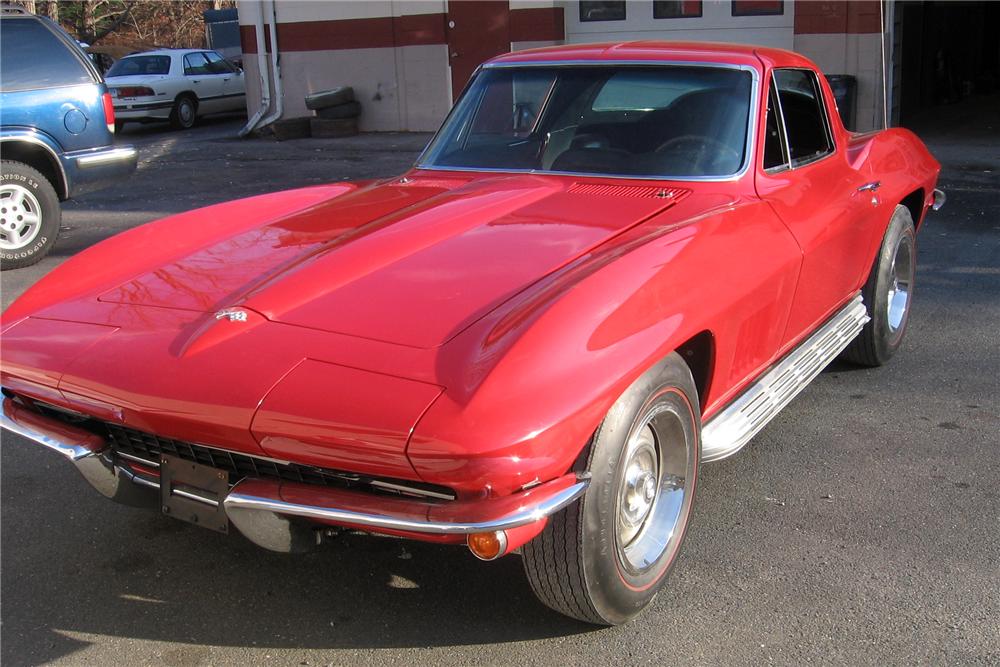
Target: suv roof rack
x,y
6,8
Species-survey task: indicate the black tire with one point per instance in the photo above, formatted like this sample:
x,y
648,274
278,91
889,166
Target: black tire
x,y
579,566
184,113
329,98
18,179
119,125
890,282
326,128
348,110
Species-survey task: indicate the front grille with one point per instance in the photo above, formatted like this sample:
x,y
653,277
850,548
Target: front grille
x,y
148,447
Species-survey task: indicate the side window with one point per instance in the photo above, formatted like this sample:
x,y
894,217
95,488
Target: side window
x,y
804,115
195,64
32,56
774,139
217,64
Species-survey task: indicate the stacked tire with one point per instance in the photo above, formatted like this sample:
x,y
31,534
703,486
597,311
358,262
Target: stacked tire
x,y
336,112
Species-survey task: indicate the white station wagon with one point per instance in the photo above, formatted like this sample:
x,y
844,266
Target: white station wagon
x,y
178,85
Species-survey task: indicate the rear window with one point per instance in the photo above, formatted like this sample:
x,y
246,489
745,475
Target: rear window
x,y
32,56
138,65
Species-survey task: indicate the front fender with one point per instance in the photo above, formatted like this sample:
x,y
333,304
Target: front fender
x,y
527,387
135,251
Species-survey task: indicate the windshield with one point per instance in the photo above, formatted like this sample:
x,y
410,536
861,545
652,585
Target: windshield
x,y
134,65
647,121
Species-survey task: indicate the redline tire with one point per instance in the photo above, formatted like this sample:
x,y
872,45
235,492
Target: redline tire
x,y
16,179
888,294
581,565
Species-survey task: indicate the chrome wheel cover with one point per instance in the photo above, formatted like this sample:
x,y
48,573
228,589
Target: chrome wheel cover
x,y
900,285
651,509
20,216
185,111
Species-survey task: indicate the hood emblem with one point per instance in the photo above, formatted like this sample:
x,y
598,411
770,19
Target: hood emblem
x,y
232,314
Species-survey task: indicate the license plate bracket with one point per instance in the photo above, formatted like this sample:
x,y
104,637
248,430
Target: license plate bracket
x,y
194,493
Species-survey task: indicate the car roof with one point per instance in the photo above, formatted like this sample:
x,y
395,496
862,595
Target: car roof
x,y
166,52
653,50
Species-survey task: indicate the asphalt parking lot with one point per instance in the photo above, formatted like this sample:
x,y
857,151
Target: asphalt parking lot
x,y
862,526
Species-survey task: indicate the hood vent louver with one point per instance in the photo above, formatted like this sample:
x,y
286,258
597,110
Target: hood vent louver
x,y
640,191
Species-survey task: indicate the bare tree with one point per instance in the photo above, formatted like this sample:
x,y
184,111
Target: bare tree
x,y
92,20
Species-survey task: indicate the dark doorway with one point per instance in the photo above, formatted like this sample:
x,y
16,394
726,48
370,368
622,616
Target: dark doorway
x,y
477,31
947,52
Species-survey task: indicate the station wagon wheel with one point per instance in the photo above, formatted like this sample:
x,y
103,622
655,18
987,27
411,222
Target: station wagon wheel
x,y
29,215
603,559
888,294
184,113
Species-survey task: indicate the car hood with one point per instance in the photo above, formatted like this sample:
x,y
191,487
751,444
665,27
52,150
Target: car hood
x,y
411,262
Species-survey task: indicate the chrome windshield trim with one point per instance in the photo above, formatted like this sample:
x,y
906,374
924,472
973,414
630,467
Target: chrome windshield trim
x,y
748,149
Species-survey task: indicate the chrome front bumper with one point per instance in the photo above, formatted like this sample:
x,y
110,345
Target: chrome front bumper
x,y
272,513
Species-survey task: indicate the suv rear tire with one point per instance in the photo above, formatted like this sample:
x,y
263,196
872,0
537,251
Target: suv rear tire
x,y
30,215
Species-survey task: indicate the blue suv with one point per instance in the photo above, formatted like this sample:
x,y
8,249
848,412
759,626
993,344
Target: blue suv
x,y
56,133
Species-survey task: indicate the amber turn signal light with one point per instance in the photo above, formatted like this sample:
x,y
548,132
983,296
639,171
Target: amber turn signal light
x,y
488,546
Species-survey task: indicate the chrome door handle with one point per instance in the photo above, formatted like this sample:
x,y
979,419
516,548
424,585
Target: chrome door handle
x,y
870,187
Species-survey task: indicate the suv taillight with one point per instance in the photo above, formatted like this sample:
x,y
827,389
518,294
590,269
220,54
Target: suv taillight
x,y
109,112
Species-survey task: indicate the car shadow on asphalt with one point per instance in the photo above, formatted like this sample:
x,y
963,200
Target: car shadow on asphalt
x,y
103,570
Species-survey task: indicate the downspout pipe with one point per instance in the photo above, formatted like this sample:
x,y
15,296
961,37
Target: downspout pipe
x,y
279,104
264,75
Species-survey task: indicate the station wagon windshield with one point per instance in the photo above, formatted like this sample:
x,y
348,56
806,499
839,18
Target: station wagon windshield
x,y
654,122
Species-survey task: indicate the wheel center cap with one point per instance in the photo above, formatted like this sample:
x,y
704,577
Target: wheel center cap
x,y
648,488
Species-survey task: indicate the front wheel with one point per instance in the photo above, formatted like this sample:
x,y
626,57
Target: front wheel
x,y
29,215
888,294
603,559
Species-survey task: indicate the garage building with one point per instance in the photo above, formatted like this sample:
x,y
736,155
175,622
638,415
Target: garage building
x,y
408,60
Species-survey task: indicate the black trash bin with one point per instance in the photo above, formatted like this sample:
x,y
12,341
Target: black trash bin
x,y
845,92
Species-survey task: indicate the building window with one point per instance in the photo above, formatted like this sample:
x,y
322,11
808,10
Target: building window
x,y
758,7
602,11
676,9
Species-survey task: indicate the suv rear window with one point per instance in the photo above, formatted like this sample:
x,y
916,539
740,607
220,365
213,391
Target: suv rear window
x,y
32,56
134,65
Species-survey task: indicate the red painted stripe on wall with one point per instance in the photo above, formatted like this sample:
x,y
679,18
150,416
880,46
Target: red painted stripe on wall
x,y
837,16
537,24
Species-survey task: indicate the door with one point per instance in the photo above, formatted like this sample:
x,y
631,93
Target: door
x,y
206,83
233,96
477,31
807,180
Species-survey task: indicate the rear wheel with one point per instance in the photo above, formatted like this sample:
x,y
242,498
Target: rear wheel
x,y
29,215
603,560
184,113
888,294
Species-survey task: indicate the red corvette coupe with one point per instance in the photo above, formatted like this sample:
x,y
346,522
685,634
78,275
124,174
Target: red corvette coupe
x,y
613,263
